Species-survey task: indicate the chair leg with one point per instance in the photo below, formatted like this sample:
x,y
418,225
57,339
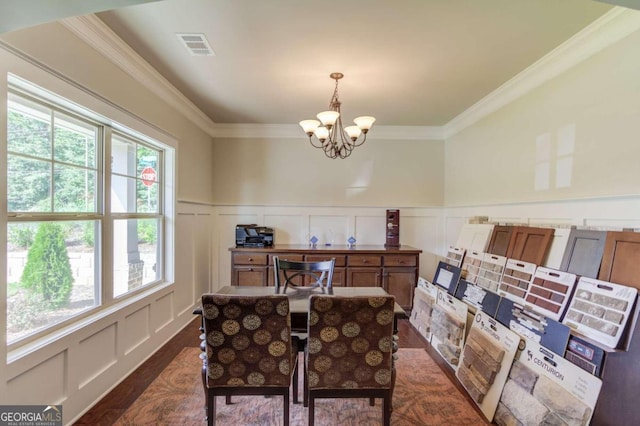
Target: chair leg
x,y
312,414
211,408
227,399
372,402
295,380
386,410
286,407
305,387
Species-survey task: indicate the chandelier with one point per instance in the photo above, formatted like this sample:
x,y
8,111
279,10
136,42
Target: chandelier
x,y
335,140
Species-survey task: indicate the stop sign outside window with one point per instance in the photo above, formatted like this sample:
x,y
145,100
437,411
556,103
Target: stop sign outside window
x,y
148,176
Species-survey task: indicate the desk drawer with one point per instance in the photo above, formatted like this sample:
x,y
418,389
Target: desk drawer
x,y
399,260
249,259
340,260
364,260
291,257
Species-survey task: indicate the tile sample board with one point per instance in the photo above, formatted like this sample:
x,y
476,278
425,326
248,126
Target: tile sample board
x,y
490,271
620,259
471,265
544,388
448,325
455,255
550,292
500,238
516,279
486,360
530,244
475,236
583,253
424,299
447,277
548,332
478,298
600,310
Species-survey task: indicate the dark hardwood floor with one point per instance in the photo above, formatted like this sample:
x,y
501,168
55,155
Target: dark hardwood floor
x,y
116,402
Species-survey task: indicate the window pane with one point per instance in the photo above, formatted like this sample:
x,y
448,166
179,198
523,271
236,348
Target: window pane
x,y
135,254
123,157
74,189
28,185
147,197
28,128
75,141
51,274
147,158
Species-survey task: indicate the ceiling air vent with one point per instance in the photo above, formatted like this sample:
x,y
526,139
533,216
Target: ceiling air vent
x,y
196,44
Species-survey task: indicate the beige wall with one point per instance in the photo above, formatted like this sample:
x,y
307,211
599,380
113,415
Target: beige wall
x,y
598,101
392,173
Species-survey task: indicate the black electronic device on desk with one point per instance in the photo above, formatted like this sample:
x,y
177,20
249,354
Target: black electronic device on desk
x,y
254,236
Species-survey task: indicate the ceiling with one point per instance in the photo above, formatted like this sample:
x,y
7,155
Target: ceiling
x,y
406,62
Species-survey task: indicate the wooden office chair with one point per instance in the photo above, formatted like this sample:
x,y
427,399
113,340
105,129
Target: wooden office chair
x,y
248,349
303,274
349,350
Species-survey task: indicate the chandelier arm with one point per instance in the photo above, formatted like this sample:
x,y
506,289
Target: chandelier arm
x,y
356,143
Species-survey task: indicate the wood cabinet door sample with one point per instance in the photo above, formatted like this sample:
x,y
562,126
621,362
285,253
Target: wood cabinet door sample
x,y
500,237
530,244
583,253
621,259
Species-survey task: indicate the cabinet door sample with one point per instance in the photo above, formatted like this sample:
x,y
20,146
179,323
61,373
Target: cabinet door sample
x,y
530,244
583,254
620,259
500,238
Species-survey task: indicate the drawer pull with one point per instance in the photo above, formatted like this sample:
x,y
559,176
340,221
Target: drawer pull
x,y
250,259
365,261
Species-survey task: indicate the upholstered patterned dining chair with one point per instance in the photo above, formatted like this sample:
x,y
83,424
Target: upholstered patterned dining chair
x,y
312,275
248,348
349,350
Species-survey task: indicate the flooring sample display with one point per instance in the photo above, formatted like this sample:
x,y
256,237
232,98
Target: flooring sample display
x,y
471,265
586,355
500,238
424,299
516,279
583,253
490,271
455,255
550,292
478,298
447,277
545,389
530,244
600,310
486,360
550,333
448,325
475,236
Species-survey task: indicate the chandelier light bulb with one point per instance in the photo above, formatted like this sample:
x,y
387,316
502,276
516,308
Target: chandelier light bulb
x,y
364,122
322,133
328,118
309,126
353,132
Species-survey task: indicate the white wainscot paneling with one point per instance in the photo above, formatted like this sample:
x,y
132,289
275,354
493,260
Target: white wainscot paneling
x,y
423,232
329,229
96,354
289,229
42,384
184,260
371,229
136,329
452,227
611,224
202,261
162,312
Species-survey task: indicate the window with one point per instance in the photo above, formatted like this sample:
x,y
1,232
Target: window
x,y
82,232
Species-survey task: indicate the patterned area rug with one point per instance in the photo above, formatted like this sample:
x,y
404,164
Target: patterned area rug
x,y
423,396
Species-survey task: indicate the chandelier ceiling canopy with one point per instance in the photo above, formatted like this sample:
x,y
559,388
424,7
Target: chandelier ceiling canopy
x,y
335,140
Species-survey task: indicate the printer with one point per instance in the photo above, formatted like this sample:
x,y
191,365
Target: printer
x,y
254,236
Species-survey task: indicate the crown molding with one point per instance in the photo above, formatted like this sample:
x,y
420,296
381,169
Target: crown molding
x,y
611,27
99,36
293,131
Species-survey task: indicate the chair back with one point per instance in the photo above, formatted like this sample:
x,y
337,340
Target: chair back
x,y
248,340
289,274
350,342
